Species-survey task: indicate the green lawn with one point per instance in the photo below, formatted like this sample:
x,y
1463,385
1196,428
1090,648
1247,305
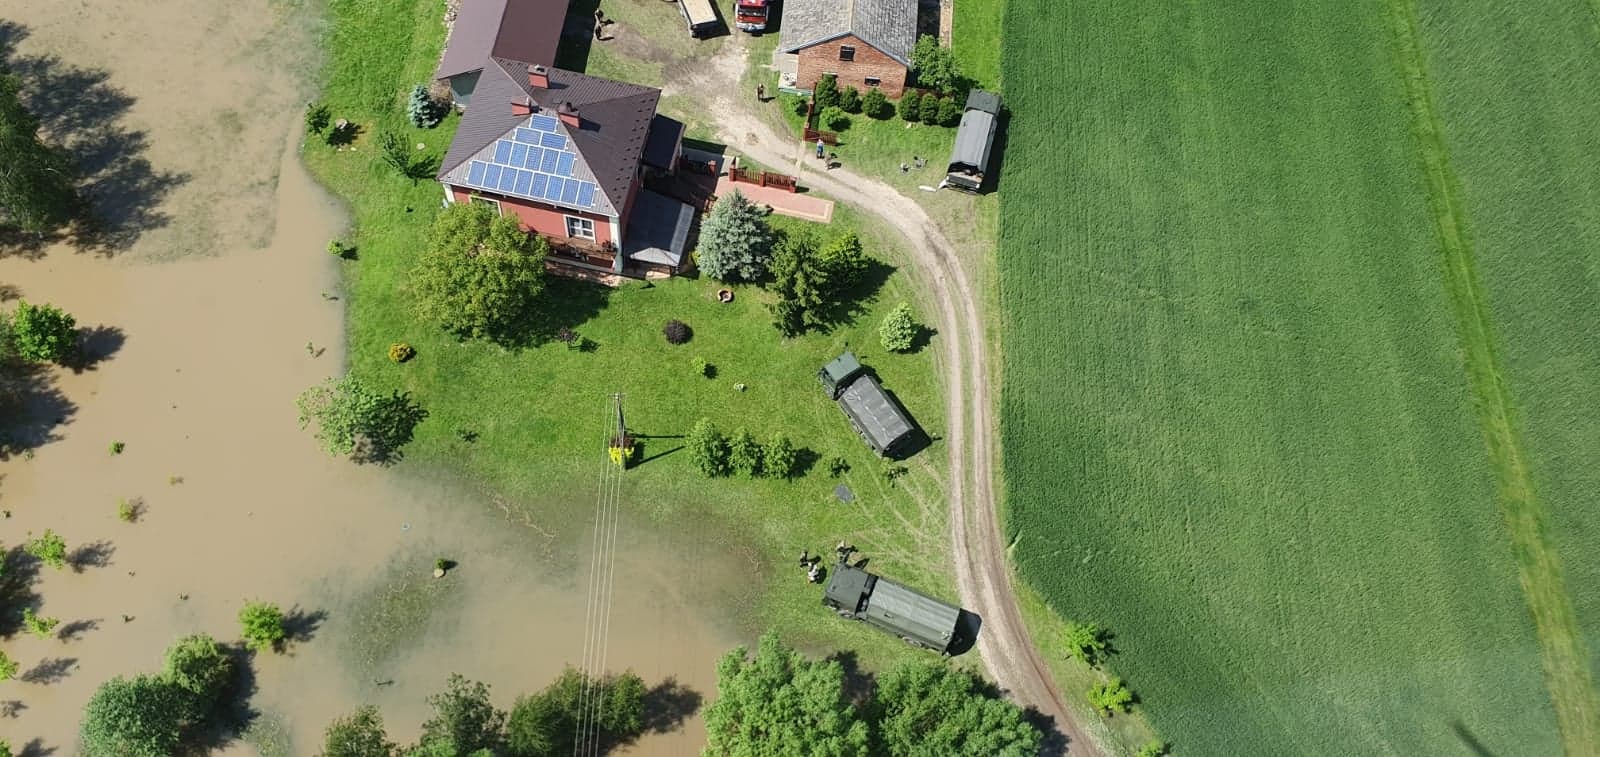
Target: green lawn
x,y
538,413
1238,426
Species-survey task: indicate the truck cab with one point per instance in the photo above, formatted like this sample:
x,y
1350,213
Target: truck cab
x,y
751,15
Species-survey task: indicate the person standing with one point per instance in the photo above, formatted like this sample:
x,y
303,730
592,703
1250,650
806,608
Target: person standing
x,y
761,93
819,148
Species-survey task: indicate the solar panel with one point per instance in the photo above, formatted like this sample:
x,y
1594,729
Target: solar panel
x,y
508,179
524,179
542,123
527,136
564,164
539,182
536,162
502,151
534,154
519,153
569,193
586,194
475,173
552,192
553,141
551,158
491,176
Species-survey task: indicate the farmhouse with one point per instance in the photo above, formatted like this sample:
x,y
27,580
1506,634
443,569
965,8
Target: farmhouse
x,y
563,151
863,43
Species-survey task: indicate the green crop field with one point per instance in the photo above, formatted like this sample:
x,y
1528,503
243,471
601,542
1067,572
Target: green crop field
x,y
1300,400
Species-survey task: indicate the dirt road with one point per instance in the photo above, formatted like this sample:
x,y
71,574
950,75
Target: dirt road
x,y
982,568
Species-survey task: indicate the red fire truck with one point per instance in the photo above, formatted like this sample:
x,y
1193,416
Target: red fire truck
x,y
751,15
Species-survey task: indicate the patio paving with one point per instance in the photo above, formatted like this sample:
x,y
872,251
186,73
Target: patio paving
x,y
783,202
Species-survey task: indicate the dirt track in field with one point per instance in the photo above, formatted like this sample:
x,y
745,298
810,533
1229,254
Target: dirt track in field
x,y
983,569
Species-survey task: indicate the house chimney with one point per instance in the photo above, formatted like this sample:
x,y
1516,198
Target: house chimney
x,y
567,114
538,77
522,107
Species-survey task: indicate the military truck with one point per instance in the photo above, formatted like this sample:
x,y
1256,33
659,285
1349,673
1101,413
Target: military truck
x,y
969,158
880,421
917,619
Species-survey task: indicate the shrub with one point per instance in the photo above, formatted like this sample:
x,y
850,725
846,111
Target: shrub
x,y
395,153
834,118
780,458
949,112
1111,696
874,104
936,68
910,107
929,108
826,92
359,734
139,717
43,333
464,721
898,331
677,332
838,466
850,100
338,249
400,352
116,448
800,105
8,667
1085,642
735,241
359,422
127,510
197,664
704,368
423,111
708,448
317,117
49,549
262,626
744,454
1153,748
38,625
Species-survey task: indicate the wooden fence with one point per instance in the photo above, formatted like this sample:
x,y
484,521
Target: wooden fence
x,y
762,178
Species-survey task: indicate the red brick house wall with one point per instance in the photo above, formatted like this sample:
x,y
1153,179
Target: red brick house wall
x,y
544,220
823,58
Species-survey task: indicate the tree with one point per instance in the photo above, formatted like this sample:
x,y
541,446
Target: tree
x,y
850,100
262,626
355,420
931,708
463,718
844,263
545,724
874,104
43,333
36,192
826,93
39,625
779,457
935,67
779,702
929,109
1110,696
744,454
359,734
735,242
422,110
898,331
1085,642
910,107
480,274
8,667
949,112
799,280
49,549
144,716
198,665
834,117
708,448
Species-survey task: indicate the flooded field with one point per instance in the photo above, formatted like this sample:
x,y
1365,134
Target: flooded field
x,y
198,359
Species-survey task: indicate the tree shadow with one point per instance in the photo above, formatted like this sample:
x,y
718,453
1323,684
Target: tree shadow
x,y
9,292
76,629
1052,742
12,707
922,338
564,304
300,626
668,704
852,303
95,345
1470,741
860,686
18,572
95,554
32,406
234,713
36,748
577,36
50,670
82,112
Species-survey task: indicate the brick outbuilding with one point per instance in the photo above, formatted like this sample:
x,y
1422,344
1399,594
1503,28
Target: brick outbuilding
x,y
864,43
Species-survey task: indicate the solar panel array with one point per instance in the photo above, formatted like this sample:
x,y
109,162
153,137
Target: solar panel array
x,y
536,163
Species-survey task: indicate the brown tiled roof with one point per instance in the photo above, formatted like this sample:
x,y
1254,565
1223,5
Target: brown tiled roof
x,y
614,116
517,29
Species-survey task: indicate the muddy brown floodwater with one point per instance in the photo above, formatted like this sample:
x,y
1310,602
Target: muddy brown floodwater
x,y
204,355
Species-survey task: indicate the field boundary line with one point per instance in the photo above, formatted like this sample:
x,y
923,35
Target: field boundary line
x,y
1561,648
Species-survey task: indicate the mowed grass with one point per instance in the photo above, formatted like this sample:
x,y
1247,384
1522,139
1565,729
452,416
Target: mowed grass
x,y
530,424
1517,89
1237,428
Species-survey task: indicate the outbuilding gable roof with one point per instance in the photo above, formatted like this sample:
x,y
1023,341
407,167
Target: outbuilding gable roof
x,y
888,25
515,29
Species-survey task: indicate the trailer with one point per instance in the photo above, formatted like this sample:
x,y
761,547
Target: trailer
x,y
880,421
969,159
919,620
751,15
700,16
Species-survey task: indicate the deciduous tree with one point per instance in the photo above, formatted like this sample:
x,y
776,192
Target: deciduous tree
x,y
936,68
777,702
262,625
735,242
1085,642
931,708
36,181
780,459
143,716
1110,696
708,448
355,420
844,263
43,333
480,274
359,734
463,718
198,665
546,724
49,549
